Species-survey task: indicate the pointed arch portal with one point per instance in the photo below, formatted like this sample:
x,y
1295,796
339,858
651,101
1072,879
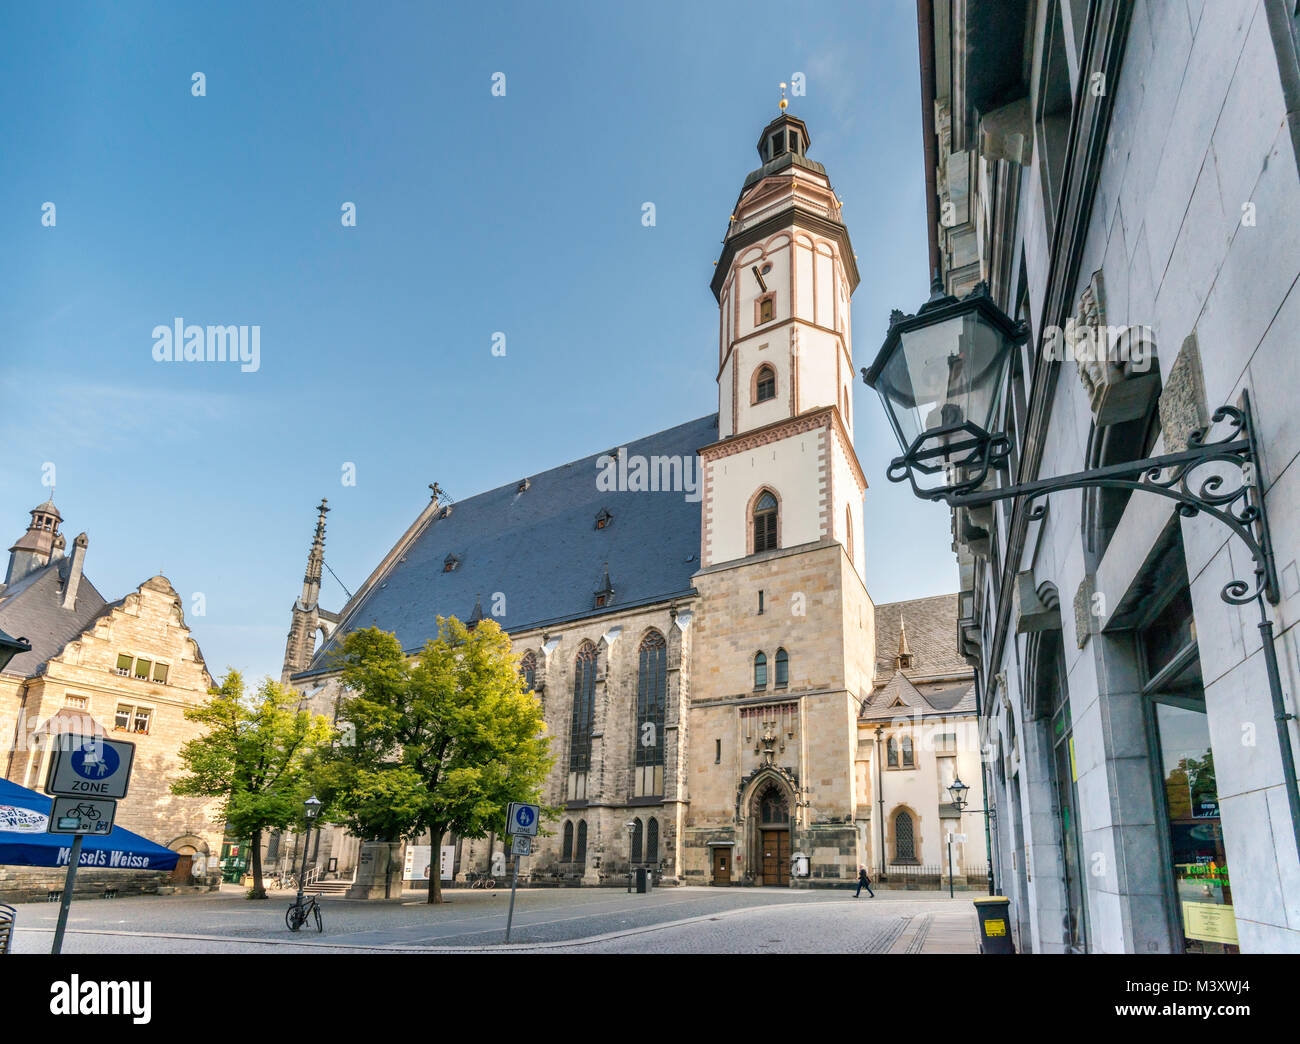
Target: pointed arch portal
x,y
768,813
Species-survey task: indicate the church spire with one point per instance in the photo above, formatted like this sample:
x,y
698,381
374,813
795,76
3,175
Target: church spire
x,y
305,620
315,560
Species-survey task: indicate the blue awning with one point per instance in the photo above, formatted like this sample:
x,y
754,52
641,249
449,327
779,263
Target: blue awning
x,y
24,842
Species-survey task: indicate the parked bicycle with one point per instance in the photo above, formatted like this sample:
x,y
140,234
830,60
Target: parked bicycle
x,y
482,880
300,912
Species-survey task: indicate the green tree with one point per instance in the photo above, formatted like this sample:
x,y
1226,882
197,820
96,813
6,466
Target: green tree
x,y
255,757
442,743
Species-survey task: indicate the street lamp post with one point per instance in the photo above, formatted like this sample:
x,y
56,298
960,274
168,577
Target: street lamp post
x,y
630,827
957,789
310,810
941,375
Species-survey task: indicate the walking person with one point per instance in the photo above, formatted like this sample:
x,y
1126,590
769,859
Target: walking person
x,y
864,882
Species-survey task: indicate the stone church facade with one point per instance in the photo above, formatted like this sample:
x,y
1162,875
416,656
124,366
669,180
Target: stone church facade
x,y
690,608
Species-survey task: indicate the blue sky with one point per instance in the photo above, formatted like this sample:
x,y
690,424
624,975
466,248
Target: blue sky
x,y
475,214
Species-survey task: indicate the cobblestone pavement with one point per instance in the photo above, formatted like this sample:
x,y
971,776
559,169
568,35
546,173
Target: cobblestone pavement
x,y
697,920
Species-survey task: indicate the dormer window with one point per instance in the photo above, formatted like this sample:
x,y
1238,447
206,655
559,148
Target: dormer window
x,y
605,593
450,563
523,486
445,512
604,519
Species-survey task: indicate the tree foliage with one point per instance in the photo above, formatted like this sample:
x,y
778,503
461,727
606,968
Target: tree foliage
x,y
440,743
255,757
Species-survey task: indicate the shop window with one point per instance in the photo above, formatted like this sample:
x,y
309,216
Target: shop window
x,y
1183,762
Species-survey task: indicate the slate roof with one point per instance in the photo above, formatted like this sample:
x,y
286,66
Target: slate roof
x,y
900,698
541,550
939,680
31,609
931,637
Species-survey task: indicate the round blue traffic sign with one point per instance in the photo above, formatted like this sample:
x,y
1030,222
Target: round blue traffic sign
x,y
524,815
95,761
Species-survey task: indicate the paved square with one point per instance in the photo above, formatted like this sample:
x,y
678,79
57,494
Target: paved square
x,y
670,920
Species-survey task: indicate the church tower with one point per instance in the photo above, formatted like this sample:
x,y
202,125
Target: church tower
x,y
308,617
785,363
783,650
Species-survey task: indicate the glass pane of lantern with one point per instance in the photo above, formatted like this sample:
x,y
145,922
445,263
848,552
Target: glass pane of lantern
x,y
944,374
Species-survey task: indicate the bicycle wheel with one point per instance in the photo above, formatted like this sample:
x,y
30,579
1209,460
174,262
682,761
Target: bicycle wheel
x,y
320,922
293,918
491,882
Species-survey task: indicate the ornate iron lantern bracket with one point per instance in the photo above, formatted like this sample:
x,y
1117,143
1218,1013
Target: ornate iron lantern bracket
x,y
1233,493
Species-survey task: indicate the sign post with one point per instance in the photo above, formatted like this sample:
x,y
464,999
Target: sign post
x,y
521,824
87,776
65,900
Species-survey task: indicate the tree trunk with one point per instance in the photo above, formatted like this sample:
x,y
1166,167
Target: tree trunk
x,y
435,874
259,890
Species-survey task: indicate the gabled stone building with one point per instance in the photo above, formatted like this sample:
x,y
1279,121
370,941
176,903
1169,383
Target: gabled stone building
x,y
127,669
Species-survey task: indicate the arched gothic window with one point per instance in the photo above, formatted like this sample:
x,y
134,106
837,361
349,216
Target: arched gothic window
x,y
891,750
580,855
528,671
652,841
765,511
760,670
765,384
772,808
636,841
566,849
584,705
651,702
782,667
904,838
909,760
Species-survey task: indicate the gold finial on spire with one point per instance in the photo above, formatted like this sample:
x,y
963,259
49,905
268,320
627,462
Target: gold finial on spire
x,y
784,103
